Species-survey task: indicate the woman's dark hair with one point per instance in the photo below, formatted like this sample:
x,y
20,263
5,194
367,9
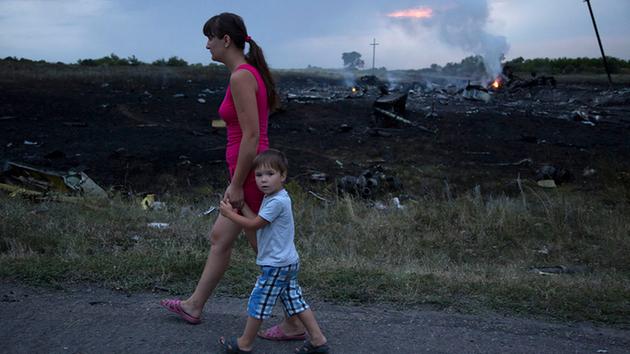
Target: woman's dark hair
x,y
234,26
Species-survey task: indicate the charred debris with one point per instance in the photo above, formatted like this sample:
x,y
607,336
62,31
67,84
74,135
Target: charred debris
x,y
418,105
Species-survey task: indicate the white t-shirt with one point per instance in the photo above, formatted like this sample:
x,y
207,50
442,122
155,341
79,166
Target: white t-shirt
x,y
275,241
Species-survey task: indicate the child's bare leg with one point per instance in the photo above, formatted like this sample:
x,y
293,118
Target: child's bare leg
x,y
246,341
315,333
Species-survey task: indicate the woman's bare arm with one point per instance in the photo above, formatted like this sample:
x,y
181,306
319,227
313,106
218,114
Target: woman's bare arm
x,y
244,87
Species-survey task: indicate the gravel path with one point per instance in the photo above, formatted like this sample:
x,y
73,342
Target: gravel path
x,y
94,320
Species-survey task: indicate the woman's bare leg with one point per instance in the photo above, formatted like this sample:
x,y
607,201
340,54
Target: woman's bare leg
x,y
224,233
251,238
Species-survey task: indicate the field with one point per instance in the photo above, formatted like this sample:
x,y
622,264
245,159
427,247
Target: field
x,y
475,230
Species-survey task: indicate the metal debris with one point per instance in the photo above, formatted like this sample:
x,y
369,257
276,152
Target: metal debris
x,y
476,93
368,183
403,120
560,269
150,203
218,123
547,183
395,102
43,180
549,172
208,211
319,177
158,225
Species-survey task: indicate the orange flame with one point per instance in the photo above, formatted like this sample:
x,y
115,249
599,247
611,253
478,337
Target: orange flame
x,y
496,84
421,12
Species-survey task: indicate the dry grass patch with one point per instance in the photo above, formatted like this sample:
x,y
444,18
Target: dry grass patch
x,y
471,253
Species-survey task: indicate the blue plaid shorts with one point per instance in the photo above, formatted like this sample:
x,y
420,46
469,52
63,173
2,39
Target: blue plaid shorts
x,y
276,282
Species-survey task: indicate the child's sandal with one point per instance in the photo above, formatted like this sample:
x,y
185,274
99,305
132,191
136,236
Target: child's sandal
x,y
231,346
308,347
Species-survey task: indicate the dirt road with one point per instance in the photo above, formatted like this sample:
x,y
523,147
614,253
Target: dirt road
x,y
87,319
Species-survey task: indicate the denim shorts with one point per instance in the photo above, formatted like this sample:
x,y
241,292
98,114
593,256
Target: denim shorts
x,y
276,282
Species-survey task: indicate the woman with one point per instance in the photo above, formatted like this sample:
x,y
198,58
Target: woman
x,y
245,109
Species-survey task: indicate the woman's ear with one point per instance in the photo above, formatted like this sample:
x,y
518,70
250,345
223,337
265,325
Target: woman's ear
x,y
226,41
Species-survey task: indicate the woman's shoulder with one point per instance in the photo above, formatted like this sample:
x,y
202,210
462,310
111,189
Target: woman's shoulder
x,y
242,75
242,79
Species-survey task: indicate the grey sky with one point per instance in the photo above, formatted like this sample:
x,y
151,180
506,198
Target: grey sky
x,y
297,33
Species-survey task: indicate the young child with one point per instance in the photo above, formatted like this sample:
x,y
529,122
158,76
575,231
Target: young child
x,y
277,257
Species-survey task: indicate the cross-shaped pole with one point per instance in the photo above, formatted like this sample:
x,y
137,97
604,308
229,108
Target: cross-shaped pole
x,y
373,44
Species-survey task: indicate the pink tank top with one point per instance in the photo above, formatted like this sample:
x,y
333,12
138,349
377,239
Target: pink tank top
x,y
227,112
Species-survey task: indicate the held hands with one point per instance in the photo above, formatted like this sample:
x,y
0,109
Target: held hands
x,y
226,208
235,196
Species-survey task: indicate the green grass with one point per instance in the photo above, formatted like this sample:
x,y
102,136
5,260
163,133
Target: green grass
x,y
472,253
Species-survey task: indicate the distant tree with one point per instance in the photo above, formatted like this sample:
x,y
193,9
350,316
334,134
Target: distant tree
x,y
114,60
175,61
87,62
159,62
172,61
472,65
133,61
111,60
352,60
468,66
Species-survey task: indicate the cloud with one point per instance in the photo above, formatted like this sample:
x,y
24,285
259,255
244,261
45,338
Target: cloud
x,y
50,29
396,49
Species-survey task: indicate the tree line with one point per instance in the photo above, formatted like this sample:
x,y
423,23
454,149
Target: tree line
x,y
554,66
570,65
115,60
352,60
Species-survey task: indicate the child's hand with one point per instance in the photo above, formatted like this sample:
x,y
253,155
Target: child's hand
x,y
226,208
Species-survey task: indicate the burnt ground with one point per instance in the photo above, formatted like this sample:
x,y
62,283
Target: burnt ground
x,y
136,135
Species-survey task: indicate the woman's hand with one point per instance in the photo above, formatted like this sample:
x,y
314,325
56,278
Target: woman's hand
x,y
235,196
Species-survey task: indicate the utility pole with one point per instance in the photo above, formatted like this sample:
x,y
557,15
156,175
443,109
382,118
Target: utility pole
x,y
601,47
373,44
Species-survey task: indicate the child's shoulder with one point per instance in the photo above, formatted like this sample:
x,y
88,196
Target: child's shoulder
x,y
280,197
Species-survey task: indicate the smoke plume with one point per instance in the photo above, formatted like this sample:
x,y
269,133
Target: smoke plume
x,y
462,24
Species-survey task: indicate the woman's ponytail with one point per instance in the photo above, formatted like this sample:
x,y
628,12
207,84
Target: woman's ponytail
x,y
256,58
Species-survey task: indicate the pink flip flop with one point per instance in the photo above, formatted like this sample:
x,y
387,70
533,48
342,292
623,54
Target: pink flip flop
x,y
175,306
276,333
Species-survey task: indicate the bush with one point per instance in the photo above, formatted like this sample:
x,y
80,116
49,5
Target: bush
x,y
111,60
569,65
